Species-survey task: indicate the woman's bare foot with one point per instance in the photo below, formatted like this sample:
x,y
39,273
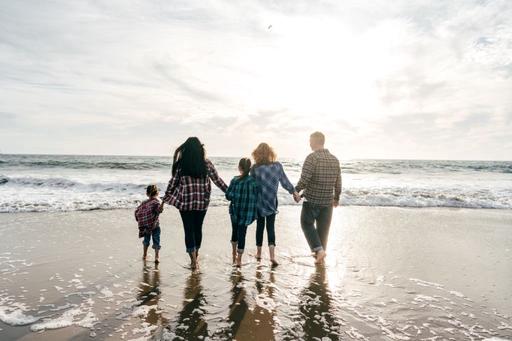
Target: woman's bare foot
x,y
258,254
239,261
157,260
320,256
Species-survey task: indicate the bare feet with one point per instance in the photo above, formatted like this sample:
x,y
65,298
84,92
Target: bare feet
x,y
320,256
258,254
274,263
157,260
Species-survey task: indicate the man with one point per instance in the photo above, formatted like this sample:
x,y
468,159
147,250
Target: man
x,y
321,182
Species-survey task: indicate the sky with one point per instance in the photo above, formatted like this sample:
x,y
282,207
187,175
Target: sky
x,y
411,79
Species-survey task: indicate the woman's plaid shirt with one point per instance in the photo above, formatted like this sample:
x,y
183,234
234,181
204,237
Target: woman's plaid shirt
x,y
320,178
269,177
192,194
243,194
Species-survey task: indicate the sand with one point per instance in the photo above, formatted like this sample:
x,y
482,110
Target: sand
x,y
391,274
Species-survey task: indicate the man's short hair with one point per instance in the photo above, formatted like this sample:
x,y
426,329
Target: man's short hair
x,y
318,137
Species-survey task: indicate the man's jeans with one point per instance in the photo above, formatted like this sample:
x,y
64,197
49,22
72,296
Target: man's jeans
x,y
321,215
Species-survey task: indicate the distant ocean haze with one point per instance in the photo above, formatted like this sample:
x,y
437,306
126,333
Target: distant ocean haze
x,y
77,182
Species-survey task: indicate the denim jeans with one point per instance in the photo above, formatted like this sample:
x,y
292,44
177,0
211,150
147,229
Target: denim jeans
x,y
155,234
193,226
271,234
238,233
316,235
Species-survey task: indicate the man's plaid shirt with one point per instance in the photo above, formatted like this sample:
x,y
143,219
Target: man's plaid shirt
x,y
192,194
269,176
147,215
320,178
243,194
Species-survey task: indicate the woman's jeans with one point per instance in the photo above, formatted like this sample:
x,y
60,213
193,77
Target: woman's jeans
x,y
193,226
238,233
321,215
271,233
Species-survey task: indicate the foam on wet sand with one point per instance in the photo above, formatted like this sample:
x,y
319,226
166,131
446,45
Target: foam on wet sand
x,y
397,274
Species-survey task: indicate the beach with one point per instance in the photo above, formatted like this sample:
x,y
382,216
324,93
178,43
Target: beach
x,y
391,274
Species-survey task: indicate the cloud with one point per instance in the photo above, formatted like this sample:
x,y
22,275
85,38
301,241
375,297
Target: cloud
x,y
364,73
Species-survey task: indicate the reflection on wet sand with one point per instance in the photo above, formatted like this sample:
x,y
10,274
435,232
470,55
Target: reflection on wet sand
x,y
317,318
149,294
246,322
191,323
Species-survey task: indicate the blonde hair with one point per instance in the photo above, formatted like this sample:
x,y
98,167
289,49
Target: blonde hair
x,y
318,137
264,154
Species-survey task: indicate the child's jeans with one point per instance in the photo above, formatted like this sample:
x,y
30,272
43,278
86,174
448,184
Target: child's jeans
x,y
238,233
155,234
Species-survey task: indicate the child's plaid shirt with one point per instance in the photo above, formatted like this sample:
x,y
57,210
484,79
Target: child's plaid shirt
x,y
192,194
147,215
243,194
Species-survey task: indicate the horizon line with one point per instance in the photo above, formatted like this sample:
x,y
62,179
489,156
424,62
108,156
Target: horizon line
x,y
220,156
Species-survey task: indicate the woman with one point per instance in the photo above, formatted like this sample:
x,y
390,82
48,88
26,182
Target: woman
x,y
269,173
189,191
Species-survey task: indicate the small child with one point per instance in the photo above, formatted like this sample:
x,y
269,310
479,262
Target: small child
x,y
243,193
149,225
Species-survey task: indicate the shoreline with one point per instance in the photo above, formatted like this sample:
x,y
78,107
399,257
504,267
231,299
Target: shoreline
x,y
167,207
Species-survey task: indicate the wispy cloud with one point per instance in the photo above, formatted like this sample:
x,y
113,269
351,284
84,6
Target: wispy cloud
x,y
436,74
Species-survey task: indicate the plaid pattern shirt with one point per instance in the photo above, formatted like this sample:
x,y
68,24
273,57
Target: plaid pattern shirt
x,y
192,194
243,194
320,178
269,177
146,215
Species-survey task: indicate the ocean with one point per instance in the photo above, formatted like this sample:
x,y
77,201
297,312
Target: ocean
x,y
33,183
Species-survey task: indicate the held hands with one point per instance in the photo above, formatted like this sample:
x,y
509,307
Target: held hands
x,y
335,203
296,197
161,208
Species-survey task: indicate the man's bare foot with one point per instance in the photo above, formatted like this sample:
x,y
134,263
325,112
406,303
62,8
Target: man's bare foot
x,y
157,260
274,263
320,256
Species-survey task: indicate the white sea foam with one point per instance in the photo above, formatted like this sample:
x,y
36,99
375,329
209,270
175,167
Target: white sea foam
x,y
58,183
68,318
15,317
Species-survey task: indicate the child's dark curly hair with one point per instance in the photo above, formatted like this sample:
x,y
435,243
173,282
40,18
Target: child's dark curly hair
x,y
152,190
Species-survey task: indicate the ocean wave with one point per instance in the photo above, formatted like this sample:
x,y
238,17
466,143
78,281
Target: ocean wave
x,y
67,184
394,167
129,195
89,164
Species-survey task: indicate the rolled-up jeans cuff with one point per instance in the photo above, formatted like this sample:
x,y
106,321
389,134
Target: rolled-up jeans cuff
x,y
240,251
317,249
157,247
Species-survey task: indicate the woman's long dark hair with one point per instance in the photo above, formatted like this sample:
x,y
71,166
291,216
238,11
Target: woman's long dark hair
x,y
190,159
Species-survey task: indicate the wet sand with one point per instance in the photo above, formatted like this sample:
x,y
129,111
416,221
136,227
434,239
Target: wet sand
x,y
391,274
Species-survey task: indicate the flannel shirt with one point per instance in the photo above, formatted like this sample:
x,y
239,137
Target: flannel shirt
x,y
320,178
243,194
269,176
187,193
146,215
